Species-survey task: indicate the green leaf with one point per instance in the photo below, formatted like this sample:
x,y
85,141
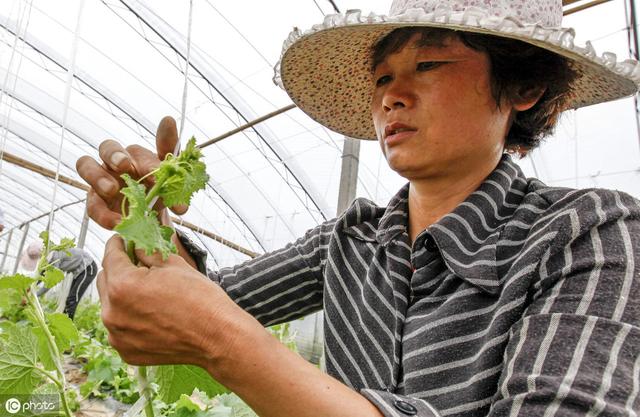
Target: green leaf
x,y
64,334
11,304
48,388
64,244
182,176
175,380
147,233
63,329
52,276
187,403
104,365
18,362
44,353
135,194
238,407
17,282
141,224
91,388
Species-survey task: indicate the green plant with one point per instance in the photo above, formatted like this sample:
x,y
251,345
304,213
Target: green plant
x,y
31,348
199,404
176,179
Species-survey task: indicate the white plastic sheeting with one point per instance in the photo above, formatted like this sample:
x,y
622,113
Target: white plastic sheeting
x,y
268,184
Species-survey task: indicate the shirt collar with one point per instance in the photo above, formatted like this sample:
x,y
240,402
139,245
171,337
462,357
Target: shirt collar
x,y
467,237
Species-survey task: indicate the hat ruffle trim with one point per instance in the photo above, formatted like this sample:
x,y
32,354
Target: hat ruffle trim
x,y
559,40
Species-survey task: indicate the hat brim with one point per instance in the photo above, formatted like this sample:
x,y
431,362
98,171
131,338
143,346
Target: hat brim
x,y
326,72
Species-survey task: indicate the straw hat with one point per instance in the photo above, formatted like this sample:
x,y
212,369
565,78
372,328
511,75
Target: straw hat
x,y
325,70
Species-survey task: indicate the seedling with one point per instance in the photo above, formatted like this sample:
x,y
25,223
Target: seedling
x,y
31,352
176,179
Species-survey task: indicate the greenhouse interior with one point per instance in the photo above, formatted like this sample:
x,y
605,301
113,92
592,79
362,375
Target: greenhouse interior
x,y
77,72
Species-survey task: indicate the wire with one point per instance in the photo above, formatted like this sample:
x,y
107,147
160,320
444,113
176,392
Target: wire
x,y
319,8
334,6
185,87
67,99
186,78
3,92
241,34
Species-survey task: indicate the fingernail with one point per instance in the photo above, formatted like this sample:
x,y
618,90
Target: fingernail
x,y
104,185
117,158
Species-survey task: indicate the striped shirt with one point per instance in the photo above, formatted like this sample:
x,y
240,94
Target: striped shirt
x,y
523,301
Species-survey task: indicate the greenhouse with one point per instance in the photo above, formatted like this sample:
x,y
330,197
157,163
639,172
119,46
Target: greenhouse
x,y
75,73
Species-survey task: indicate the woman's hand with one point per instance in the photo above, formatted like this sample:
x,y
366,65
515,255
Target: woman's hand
x,y
165,312
104,199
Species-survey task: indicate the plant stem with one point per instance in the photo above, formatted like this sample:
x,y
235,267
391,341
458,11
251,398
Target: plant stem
x,y
145,390
131,251
53,348
143,382
49,376
153,193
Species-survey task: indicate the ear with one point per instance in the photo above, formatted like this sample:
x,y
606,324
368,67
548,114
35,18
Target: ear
x,y
526,97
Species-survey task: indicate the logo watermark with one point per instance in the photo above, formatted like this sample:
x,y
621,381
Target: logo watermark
x,y
29,405
12,405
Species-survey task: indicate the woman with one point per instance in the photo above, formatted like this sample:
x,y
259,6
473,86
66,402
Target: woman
x,y
475,292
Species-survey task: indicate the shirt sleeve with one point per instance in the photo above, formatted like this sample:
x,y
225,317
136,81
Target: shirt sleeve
x,y
576,350
279,286
393,405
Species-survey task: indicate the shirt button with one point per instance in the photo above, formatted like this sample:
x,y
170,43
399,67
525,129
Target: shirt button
x,y
430,244
405,407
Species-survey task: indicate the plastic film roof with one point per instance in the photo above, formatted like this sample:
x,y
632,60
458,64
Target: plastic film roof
x,y
269,183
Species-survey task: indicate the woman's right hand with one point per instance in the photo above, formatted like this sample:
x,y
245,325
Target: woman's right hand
x,y
104,198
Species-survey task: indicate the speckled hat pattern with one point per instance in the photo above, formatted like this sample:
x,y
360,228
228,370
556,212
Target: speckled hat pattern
x,y
325,70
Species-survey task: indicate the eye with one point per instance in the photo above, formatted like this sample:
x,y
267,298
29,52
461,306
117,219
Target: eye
x,y
427,65
383,80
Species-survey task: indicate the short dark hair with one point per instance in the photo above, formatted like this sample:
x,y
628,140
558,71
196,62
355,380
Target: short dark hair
x,y
514,65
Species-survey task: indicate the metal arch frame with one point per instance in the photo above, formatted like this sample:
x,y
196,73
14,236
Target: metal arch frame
x,y
63,225
35,140
36,218
277,169
111,98
233,102
30,166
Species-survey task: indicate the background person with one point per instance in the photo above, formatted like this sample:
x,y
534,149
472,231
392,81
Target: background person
x,y
77,262
476,291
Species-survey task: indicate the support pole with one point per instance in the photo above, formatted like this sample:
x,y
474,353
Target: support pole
x,y
50,174
21,247
349,174
634,49
6,251
583,6
84,227
246,126
346,194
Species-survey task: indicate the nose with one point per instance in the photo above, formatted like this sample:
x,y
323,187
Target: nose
x,y
398,94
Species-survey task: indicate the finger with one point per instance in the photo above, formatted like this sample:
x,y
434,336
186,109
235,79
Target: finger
x,y
115,256
155,259
180,209
116,157
166,136
97,177
99,211
101,285
144,160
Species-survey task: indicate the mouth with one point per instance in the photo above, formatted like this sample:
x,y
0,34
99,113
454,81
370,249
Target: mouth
x,y
395,129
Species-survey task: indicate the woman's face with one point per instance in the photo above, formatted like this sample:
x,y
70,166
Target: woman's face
x,y
434,113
